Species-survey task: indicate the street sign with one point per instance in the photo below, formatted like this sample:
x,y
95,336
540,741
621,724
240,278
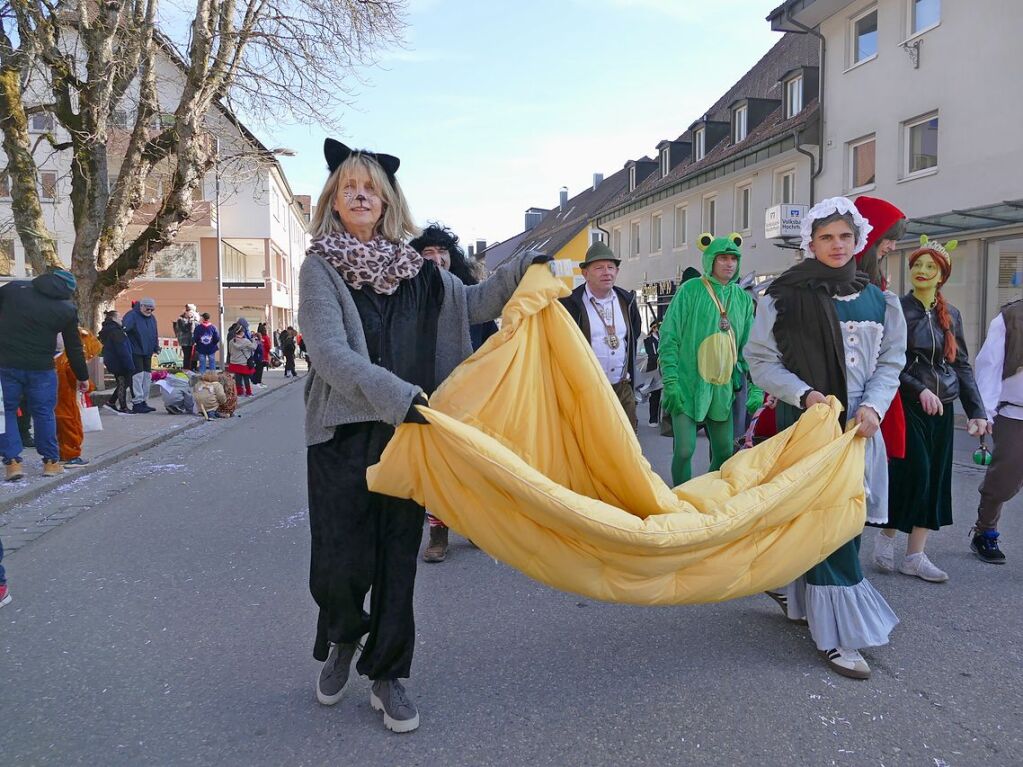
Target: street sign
x,y
783,220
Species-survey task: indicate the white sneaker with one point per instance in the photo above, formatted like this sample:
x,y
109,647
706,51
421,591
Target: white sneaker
x,y
920,566
884,553
847,663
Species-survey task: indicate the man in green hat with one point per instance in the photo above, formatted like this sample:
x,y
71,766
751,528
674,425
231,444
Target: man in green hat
x,y
609,319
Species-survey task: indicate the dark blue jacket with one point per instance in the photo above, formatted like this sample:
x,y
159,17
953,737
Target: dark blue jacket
x,y
31,316
141,331
206,338
116,349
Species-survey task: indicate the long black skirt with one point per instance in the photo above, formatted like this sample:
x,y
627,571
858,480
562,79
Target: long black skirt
x,y
362,542
920,485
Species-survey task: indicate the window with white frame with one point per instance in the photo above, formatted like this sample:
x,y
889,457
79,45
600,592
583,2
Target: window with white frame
x,y
923,14
700,139
178,261
6,258
681,235
743,207
48,185
920,146
634,239
121,119
665,161
40,122
793,96
785,186
616,242
596,236
632,178
862,163
710,211
863,36
656,232
739,122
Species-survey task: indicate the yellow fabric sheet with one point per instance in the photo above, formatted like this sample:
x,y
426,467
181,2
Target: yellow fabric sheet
x,y
529,454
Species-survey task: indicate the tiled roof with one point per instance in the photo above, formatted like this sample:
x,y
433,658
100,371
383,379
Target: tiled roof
x,y
559,226
762,81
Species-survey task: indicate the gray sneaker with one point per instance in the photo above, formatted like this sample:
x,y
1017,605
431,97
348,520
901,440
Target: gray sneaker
x,y
331,681
400,713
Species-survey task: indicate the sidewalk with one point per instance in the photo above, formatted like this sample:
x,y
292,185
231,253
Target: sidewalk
x,y
123,436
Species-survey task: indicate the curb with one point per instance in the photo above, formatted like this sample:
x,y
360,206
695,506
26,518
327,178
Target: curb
x,y
116,456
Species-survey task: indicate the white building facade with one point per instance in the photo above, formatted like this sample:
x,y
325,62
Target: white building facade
x,y
921,108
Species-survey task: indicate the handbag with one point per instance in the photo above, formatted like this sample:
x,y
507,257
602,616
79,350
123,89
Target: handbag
x,y
664,424
90,414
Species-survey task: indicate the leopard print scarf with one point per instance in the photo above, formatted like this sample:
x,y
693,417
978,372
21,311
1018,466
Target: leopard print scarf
x,y
379,263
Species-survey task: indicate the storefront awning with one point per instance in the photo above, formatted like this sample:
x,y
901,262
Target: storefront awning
x,y
993,216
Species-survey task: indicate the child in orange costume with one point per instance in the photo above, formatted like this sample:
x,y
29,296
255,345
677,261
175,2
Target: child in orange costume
x,y
69,420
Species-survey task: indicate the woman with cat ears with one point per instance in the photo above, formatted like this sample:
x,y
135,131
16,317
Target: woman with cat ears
x,y
937,373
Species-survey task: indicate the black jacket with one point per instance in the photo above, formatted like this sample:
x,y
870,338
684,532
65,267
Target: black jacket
x,y
31,316
652,345
627,299
926,366
117,354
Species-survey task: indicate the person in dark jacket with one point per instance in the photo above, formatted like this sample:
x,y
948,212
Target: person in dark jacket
x,y
118,359
140,326
439,244
937,372
184,330
206,341
288,348
652,344
31,316
609,319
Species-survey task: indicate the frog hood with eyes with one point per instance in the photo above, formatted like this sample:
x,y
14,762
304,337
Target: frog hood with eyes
x,y
712,247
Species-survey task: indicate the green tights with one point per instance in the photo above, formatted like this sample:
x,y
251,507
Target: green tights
x,y
721,445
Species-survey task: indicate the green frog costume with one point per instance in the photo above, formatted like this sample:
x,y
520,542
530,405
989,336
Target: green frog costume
x,y
702,337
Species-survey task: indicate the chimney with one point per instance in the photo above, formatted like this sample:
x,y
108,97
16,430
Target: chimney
x,y
472,253
533,217
481,245
597,178
563,198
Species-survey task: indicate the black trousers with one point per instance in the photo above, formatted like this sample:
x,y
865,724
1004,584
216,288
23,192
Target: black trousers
x,y
655,406
362,542
289,364
122,391
257,375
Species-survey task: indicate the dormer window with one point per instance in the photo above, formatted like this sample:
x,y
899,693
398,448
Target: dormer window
x,y
793,96
740,121
665,161
632,178
700,140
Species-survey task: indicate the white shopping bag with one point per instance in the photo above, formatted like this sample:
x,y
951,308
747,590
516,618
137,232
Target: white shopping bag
x,y
90,414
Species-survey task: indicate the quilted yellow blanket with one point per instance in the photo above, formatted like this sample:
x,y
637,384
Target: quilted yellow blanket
x,y
529,454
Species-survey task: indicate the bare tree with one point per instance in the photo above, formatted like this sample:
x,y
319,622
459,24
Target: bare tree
x,y
94,76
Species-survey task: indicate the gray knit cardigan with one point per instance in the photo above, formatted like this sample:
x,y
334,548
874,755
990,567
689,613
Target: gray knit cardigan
x,y
343,385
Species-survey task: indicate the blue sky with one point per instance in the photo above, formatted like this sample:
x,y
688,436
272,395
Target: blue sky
x,y
493,106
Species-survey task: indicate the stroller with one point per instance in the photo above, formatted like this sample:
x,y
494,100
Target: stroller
x,y
276,359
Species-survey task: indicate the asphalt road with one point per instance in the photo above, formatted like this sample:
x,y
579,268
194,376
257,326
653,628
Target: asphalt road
x,y
167,622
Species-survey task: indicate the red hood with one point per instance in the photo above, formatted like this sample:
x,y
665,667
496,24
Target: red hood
x,y
882,216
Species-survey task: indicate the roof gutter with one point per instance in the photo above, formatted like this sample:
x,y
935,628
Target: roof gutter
x,y
820,89
813,162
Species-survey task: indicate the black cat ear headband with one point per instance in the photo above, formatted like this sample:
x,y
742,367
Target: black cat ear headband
x,y
336,153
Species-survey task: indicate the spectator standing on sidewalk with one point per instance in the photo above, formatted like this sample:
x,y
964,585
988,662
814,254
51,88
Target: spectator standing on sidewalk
x,y
652,344
263,342
239,361
206,342
999,369
288,347
31,316
118,359
140,326
70,434
184,330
